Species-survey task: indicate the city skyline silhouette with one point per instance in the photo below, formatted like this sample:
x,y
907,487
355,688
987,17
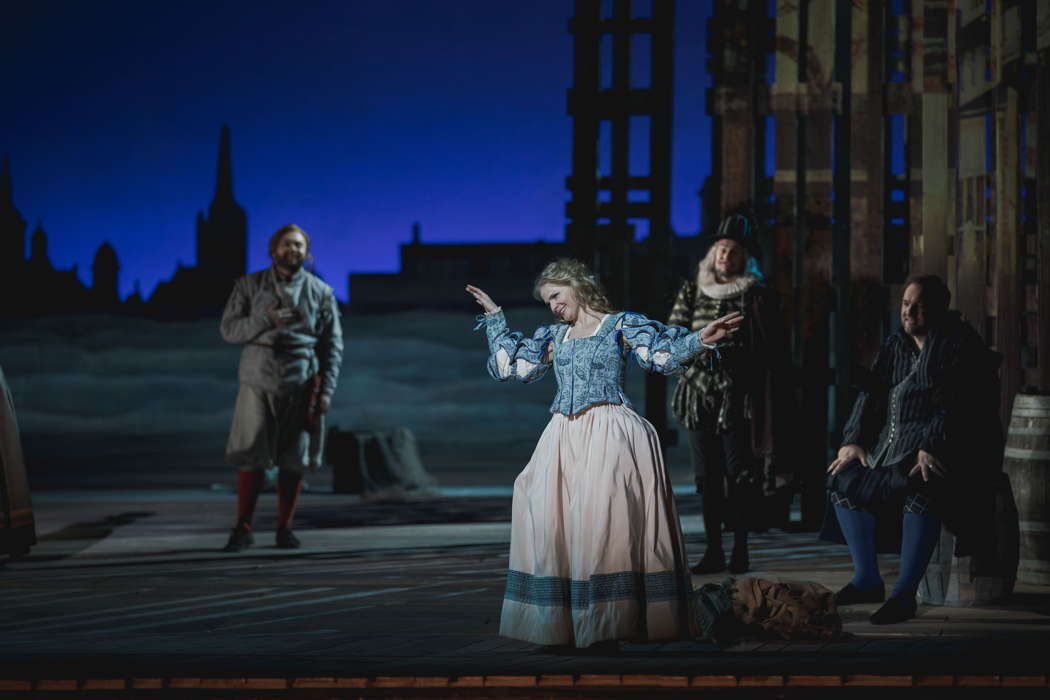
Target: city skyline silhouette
x,y
354,123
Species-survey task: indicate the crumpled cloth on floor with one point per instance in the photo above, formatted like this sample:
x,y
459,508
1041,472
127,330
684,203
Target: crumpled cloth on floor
x,y
758,608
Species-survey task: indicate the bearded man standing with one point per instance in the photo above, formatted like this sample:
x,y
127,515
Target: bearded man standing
x,y
729,406
287,319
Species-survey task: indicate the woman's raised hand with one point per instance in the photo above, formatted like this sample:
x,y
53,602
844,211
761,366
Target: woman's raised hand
x,y
483,299
721,327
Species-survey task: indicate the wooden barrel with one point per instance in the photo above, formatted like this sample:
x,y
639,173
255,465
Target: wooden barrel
x,y
933,588
1027,461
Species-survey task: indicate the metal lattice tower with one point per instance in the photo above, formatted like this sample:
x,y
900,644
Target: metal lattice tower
x,y
621,107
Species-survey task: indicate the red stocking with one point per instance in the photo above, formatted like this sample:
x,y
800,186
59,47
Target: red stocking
x,y
288,485
249,484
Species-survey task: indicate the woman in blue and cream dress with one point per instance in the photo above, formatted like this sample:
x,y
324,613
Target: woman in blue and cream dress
x,y
596,549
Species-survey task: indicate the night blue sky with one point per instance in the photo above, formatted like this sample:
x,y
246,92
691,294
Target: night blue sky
x,y
352,118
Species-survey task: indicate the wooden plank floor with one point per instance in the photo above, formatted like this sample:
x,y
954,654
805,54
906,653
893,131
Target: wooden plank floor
x,y
109,594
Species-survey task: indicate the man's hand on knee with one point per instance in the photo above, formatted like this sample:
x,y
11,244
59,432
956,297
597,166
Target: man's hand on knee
x,y
927,464
848,453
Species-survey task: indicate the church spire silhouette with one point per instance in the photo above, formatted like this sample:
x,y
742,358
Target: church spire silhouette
x,y
6,194
222,236
38,256
105,271
12,232
10,219
224,177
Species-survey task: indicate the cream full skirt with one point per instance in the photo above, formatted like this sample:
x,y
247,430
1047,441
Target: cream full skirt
x,y
596,549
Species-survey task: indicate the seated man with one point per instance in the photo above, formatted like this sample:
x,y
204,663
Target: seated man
x,y
913,443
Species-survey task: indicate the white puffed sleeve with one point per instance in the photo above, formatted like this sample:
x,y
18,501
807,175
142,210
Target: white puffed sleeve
x,y
511,354
659,348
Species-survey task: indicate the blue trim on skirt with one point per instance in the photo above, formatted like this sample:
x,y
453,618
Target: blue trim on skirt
x,y
555,591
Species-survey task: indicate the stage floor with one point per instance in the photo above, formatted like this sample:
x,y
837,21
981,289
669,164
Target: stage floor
x,y
129,587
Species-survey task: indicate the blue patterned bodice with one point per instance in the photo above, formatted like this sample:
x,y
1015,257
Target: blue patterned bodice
x,y
589,370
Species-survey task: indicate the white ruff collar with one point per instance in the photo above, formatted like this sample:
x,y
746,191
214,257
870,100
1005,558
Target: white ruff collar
x,y
727,290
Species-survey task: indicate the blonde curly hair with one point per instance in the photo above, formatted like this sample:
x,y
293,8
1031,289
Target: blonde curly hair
x,y
573,273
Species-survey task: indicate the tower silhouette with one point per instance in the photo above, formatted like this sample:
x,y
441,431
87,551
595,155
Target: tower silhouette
x,y
38,257
12,232
104,272
222,236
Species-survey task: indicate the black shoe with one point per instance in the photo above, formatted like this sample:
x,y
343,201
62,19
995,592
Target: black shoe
x,y
240,538
851,595
739,563
897,609
286,539
711,563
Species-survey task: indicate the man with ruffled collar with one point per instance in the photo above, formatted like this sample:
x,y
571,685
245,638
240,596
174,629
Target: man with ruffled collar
x,y
728,406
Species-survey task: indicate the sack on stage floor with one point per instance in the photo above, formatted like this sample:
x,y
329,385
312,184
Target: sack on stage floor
x,y
758,608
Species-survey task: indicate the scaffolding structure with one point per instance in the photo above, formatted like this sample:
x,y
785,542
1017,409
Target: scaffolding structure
x,y
619,213
905,138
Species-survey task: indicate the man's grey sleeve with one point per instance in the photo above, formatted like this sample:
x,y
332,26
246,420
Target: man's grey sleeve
x,y
330,347
239,322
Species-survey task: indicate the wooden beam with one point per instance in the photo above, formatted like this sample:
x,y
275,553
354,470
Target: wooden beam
x,y
784,103
1042,131
658,253
1042,23
951,78
913,136
936,175
1009,295
867,182
930,79
735,56
970,296
737,144
813,242
866,114
580,235
787,51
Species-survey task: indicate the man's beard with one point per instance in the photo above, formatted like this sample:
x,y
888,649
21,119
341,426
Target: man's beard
x,y
728,272
291,261
913,327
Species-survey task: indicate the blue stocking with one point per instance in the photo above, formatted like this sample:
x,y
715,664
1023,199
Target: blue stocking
x,y
921,532
858,526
